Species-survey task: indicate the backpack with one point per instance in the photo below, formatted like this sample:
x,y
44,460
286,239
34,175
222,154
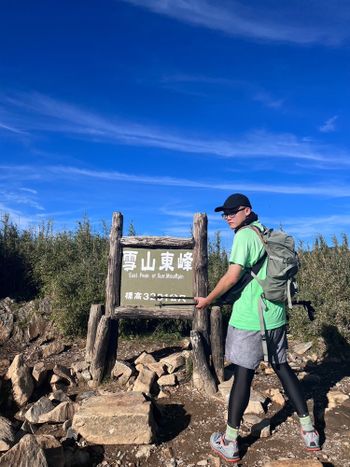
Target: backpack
x,y
282,265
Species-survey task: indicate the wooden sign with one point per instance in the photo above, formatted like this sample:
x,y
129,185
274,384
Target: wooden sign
x,y
150,276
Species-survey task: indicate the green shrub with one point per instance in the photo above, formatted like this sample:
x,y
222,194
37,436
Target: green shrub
x,y
324,279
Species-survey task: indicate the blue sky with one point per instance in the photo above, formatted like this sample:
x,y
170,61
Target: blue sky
x,y
160,109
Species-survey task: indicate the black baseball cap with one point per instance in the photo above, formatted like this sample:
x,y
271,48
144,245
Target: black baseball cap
x,y
234,202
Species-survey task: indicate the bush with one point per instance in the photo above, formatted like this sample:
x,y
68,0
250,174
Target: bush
x,y
324,279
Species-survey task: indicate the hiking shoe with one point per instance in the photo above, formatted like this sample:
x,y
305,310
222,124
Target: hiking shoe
x,y
311,440
228,450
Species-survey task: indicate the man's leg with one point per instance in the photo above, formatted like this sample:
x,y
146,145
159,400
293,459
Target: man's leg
x,y
239,397
225,444
292,387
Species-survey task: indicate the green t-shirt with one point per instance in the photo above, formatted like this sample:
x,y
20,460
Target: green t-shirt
x,y
247,249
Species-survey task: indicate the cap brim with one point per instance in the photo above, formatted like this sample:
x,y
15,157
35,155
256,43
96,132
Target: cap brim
x,y
219,208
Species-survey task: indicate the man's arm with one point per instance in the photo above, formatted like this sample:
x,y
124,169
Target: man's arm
x,y
228,280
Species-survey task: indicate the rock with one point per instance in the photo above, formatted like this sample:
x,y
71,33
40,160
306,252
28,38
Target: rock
x,y
167,380
262,429
52,449
85,375
300,349
53,348
92,384
7,437
59,386
214,461
59,395
21,379
20,415
36,327
294,463
225,388
181,375
6,323
42,406
185,343
122,371
24,454
144,381
336,398
145,358
254,407
67,424
85,395
63,373
257,396
39,373
64,411
70,434
27,427
163,394
55,379
251,419
78,367
4,365
125,418
158,367
173,362
143,451
276,396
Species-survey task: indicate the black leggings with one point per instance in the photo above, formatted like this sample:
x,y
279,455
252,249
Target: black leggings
x,y
240,392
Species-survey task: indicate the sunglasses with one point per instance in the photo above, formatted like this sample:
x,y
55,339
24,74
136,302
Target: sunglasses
x,y
231,214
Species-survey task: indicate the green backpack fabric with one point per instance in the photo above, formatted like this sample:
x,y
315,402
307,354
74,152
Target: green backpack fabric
x,y
282,265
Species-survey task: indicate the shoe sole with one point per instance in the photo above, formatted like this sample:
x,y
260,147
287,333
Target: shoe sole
x,y
233,461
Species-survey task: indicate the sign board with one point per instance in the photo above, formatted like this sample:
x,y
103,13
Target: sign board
x,y
150,276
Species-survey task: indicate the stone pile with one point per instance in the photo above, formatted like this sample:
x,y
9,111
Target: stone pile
x,y
41,394
145,374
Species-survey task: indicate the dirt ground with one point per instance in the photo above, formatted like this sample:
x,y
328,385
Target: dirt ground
x,y
187,418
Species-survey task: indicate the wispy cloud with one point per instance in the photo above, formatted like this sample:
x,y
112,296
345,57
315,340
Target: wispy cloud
x,y
183,83
268,100
329,125
311,23
329,189
19,198
11,129
310,227
40,113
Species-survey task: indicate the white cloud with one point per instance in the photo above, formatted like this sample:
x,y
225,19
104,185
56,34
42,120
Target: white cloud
x,y
329,190
329,125
44,114
268,100
18,198
11,129
298,22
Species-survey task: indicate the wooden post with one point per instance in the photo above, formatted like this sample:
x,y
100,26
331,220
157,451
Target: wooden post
x,y
217,342
113,287
96,311
200,266
97,368
202,378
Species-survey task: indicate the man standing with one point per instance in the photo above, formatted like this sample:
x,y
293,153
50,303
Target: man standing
x,y
243,342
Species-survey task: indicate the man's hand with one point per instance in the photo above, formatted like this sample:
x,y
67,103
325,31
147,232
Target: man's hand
x,y
229,279
202,302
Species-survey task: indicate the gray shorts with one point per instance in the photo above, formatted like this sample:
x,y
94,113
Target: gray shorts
x,y
244,348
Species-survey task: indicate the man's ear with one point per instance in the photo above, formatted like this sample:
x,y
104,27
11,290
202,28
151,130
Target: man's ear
x,y
247,211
